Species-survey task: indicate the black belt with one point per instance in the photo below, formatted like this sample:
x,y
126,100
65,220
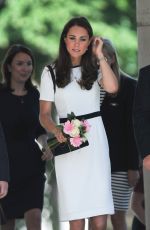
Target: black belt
x,y
85,116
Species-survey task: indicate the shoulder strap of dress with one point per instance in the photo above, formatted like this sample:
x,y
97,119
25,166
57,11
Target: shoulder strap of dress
x,y
53,76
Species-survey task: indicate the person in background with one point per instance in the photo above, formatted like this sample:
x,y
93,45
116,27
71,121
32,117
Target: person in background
x,y
141,115
137,204
4,172
4,165
20,121
141,118
117,117
77,80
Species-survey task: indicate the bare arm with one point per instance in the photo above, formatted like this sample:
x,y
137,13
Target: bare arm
x,y
137,206
3,189
146,162
47,122
108,81
133,177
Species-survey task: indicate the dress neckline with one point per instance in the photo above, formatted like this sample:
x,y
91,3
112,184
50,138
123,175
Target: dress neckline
x,y
75,66
20,98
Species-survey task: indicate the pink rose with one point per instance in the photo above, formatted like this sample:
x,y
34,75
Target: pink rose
x,y
68,127
76,141
86,124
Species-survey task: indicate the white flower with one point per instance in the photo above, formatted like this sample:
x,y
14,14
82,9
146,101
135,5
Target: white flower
x,y
75,132
76,122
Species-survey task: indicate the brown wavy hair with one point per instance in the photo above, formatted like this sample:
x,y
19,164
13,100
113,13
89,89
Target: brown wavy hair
x,y
11,53
63,63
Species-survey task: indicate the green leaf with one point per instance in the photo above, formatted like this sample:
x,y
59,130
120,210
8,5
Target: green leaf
x,y
71,116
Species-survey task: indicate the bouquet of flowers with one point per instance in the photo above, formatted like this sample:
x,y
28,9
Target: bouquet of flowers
x,y
75,131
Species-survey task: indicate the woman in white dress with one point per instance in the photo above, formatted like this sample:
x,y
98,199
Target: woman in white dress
x,y
84,175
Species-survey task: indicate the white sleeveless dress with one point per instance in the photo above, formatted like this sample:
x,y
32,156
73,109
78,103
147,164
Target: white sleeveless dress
x,y
83,176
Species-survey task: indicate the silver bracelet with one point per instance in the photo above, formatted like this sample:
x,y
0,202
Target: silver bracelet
x,y
101,59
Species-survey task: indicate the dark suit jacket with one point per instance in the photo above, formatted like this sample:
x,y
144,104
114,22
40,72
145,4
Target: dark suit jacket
x,y
117,119
142,112
4,165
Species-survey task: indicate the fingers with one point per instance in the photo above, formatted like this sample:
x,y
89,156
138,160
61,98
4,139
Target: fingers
x,y
47,154
133,177
97,46
2,195
132,183
97,41
146,162
60,137
3,188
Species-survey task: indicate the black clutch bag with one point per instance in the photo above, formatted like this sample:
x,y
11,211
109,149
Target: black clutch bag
x,y
65,147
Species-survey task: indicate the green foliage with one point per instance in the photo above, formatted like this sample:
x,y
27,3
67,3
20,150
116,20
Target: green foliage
x,y
38,24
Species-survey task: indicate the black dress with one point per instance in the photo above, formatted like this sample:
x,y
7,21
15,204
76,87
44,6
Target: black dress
x,y
19,116
117,117
4,166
